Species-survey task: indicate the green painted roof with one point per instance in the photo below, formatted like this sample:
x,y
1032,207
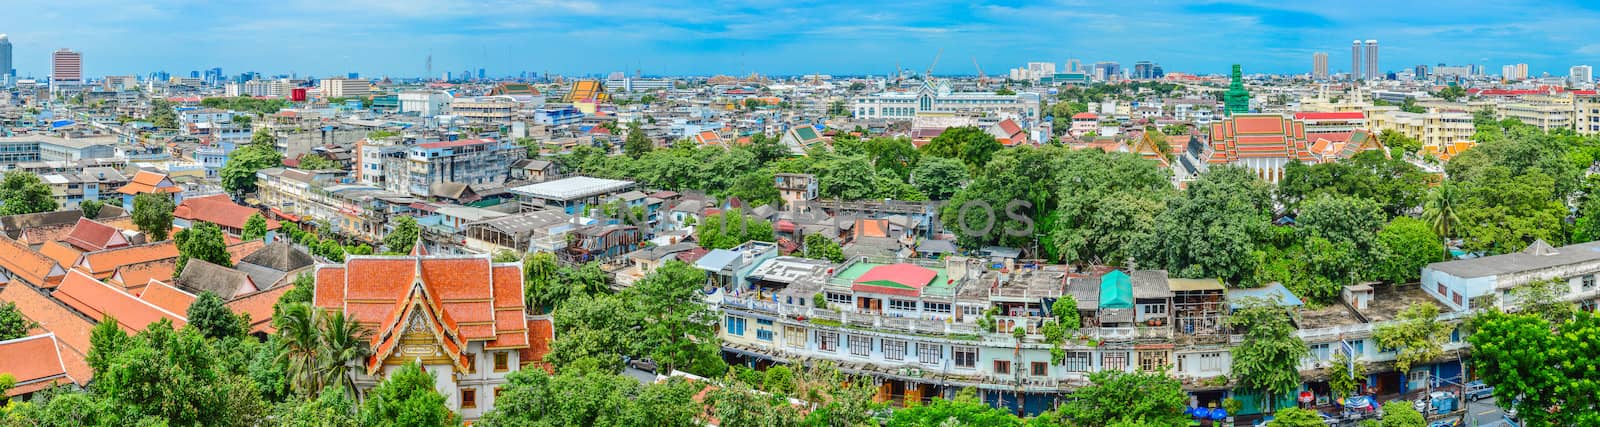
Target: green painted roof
x,y
806,133
1116,290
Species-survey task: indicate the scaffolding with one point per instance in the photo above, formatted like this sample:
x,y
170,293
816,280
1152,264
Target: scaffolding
x,y
1199,310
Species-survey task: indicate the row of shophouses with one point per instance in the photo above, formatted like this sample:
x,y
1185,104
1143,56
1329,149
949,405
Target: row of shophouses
x,y
913,324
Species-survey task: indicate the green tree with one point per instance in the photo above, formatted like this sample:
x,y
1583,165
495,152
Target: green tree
x,y
1113,396
1399,413
406,398
239,173
402,236
1543,370
732,228
254,228
12,324
679,331
1110,203
1440,210
818,246
1213,228
756,188
212,318
23,193
1543,298
179,377
636,144
316,162
201,241
1267,362
1296,417
330,408
844,178
964,410
106,340
575,397
1417,333
298,335
342,340
539,274
938,177
1345,375
90,208
1407,245
152,213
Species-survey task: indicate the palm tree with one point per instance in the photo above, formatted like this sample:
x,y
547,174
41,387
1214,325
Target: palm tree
x,y
297,333
344,340
1440,212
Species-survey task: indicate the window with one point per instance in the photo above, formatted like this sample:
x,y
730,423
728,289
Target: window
x,y
1076,361
472,363
735,325
1319,352
860,345
1455,297
794,336
1153,361
1588,282
827,341
936,307
497,391
893,349
1114,361
930,354
469,398
502,361
838,298
764,322
971,311
764,334
1359,347
1155,309
1417,376
1441,289
1040,369
1002,367
966,357
900,304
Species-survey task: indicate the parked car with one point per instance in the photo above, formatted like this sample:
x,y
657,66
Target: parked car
x,y
1477,390
1452,422
643,364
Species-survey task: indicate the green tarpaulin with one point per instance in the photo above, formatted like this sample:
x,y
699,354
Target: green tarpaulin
x,y
1116,290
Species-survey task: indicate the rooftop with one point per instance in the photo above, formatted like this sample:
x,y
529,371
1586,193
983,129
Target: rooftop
x,y
1538,255
572,188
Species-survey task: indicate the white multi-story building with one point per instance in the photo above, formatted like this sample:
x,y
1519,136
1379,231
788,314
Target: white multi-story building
x,y
265,88
1580,75
425,103
938,97
346,88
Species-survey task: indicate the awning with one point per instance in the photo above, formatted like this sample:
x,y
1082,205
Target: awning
x,y
1116,290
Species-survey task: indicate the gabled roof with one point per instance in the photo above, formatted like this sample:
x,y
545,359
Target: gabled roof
x,y
71,329
218,209
90,235
29,266
97,299
279,255
259,307
60,252
34,362
202,276
149,182
102,264
167,297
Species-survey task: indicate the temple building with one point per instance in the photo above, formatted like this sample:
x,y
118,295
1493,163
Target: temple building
x,y
461,317
1266,143
1236,100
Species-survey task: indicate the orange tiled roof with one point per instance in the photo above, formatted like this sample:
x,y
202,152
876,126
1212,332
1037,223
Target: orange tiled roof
x,y
34,362
466,298
71,329
259,307
102,264
134,277
32,267
90,235
163,295
149,182
97,299
237,251
218,209
60,252
540,333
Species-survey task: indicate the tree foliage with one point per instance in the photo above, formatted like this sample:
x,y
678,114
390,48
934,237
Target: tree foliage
x,y
254,228
403,235
1117,396
1267,362
152,213
1407,245
1417,333
1296,417
406,398
964,410
939,177
1212,228
732,228
818,246
1546,371
90,208
213,319
12,324
23,193
239,173
203,241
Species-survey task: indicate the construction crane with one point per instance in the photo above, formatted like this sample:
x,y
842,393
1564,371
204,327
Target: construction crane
x,y
929,75
983,80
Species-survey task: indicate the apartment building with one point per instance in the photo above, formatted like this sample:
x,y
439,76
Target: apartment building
x,y
469,162
1443,134
939,97
346,88
1546,112
484,110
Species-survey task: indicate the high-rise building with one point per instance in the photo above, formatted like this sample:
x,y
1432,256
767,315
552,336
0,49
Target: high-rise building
x,y
1355,60
1319,66
1514,72
5,59
1143,70
1105,71
66,66
1373,72
1580,74
1420,72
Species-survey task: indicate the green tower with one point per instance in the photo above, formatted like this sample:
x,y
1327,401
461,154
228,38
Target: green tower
x,y
1237,99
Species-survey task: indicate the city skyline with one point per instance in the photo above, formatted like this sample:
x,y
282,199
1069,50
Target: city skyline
x,y
393,38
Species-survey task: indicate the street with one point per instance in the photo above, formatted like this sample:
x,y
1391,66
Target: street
x,y
1486,413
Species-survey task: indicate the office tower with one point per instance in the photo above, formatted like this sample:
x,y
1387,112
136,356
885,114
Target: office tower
x,y
1373,72
1420,72
66,66
1514,72
5,58
1355,60
1580,74
1319,66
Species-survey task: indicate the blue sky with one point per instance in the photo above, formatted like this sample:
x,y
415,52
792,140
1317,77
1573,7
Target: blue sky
x,y
392,37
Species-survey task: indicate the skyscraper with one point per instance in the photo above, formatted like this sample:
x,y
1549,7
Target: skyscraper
x,y
5,58
1373,72
1319,66
1355,60
1580,74
66,66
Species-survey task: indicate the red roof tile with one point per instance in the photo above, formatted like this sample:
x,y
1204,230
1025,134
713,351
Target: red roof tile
x,y
163,295
71,329
97,299
60,252
34,362
220,210
1337,115
102,264
89,235
29,266
259,307
149,182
